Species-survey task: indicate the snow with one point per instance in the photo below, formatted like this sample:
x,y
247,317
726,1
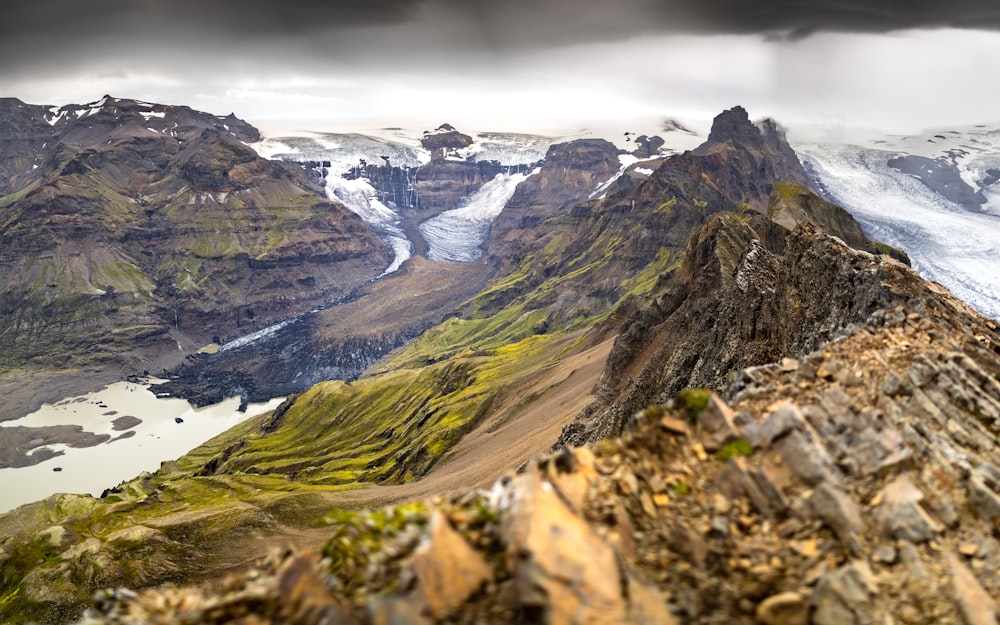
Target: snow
x,y
626,160
947,243
147,115
344,151
57,116
645,171
457,235
269,148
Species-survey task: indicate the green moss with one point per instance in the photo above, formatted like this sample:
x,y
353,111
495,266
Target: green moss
x,y
680,487
787,190
738,448
666,208
877,247
694,400
357,536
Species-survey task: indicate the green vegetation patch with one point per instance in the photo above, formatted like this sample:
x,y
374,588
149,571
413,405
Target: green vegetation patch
x,y
738,448
693,401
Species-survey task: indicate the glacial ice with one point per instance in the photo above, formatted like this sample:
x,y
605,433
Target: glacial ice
x,y
457,235
362,198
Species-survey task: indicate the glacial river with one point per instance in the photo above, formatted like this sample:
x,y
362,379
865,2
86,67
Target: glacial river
x,y
169,428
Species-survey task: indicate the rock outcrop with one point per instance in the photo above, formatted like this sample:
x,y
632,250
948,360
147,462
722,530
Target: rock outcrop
x,y
941,177
444,141
572,171
743,160
749,292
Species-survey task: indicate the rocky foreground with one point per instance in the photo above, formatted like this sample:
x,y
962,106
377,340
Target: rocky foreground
x,y
857,483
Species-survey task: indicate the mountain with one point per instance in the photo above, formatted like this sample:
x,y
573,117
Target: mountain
x,y
843,472
131,230
779,422
822,490
598,267
933,193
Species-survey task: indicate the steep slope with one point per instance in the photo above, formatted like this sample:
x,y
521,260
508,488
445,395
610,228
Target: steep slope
x,y
141,227
578,255
855,484
750,291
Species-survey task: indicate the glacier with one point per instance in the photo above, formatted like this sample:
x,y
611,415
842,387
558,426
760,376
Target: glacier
x,y
947,243
457,235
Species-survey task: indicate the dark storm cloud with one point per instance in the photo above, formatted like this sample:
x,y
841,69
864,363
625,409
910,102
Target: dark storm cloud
x,y
510,20
801,18
563,20
51,37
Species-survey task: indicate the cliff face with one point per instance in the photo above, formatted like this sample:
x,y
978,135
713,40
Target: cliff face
x,y
764,158
452,175
136,221
748,292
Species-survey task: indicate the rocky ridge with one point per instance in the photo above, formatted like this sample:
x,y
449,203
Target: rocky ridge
x,y
856,483
750,291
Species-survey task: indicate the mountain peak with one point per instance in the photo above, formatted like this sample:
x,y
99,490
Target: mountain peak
x,y
734,125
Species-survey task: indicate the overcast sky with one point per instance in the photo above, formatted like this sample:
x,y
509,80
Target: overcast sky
x,y
895,64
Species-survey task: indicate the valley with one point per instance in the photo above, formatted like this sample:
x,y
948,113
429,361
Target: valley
x,y
501,295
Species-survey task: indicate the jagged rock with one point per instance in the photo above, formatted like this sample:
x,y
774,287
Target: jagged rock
x,y
395,611
736,480
646,605
717,421
842,597
444,141
560,567
647,147
906,519
791,204
840,512
977,606
807,458
984,499
787,608
911,522
447,569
